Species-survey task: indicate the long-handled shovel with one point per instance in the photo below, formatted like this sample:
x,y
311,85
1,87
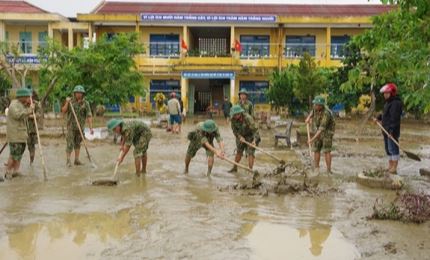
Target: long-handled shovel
x,y
410,155
263,151
4,146
38,142
109,182
82,135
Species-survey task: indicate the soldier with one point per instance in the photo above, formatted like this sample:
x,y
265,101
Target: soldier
x,y
324,125
83,112
203,136
32,134
133,133
244,129
17,135
247,105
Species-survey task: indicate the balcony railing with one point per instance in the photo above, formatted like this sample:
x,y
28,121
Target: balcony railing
x,y
256,50
338,51
162,49
24,47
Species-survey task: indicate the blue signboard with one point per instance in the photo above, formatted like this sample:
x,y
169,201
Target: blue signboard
x,y
151,17
24,59
208,74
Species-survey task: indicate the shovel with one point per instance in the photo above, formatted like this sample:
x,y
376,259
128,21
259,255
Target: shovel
x,y
38,142
109,182
241,166
263,151
410,155
4,146
82,135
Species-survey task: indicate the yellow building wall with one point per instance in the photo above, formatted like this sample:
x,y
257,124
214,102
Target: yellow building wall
x,y
14,30
346,31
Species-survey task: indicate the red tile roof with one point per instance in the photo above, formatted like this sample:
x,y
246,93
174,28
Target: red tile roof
x,y
14,6
108,7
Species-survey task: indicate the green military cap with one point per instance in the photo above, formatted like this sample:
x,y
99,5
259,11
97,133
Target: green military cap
x,y
23,92
243,91
236,109
208,126
111,124
319,100
79,89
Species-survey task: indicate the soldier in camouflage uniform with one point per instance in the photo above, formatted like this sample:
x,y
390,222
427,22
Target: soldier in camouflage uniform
x,y
134,133
248,107
31,129
83,112
203,136
324,125
17,135
244,128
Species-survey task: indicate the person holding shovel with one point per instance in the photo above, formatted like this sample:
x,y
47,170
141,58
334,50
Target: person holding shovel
x,y
134,133
390,119
244,129
83,112
203,136
31,128
324,125
19,111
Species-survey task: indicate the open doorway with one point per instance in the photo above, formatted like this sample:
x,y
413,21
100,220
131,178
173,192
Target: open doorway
x,y
209,94
209,41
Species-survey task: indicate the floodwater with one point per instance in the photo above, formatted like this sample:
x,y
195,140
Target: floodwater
x,y
166,215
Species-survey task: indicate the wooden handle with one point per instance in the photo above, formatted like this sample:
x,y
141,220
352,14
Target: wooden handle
x,y
38,142
237,164
80,131
388,134
115,175
309,138
263,151
4,146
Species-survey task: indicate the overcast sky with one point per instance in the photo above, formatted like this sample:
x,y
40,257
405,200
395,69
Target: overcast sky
x,y
70,8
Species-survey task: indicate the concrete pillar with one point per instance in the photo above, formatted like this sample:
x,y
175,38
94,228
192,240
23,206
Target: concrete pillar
x,y
90,32
50,31
70,37
184,92
232,40
137,27
2,31
79,39
328,46
281,46
233,97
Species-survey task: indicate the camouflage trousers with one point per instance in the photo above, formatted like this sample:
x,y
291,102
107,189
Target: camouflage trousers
x,y
16,150
241,147
323,144
194,146
73,140
141,145
31,142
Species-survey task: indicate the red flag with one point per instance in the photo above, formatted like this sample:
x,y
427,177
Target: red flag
x,y
237,46
184,45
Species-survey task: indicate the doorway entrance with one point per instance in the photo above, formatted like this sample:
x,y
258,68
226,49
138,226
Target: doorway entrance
x,y
208,94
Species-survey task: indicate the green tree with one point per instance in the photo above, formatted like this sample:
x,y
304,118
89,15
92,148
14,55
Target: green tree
x,y
106,69
311,80
397,50
282,84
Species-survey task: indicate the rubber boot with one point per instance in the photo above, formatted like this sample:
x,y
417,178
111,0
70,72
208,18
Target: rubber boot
x,y
68,163
77,162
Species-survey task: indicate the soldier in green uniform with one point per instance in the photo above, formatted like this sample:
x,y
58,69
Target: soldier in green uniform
x,y
17,135
32,135
83,112
324,125
247,105
203,136
133,133
244,128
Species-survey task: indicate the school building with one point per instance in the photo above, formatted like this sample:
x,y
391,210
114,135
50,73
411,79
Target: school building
x,y
205,52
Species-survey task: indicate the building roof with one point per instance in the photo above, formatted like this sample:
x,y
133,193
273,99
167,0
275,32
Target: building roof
x,y
112,7
17,6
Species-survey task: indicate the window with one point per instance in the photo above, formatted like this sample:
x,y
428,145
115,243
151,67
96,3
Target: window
x,y
164,45
297,45
255,46
256,89
25,42
337,48
43,39
163,86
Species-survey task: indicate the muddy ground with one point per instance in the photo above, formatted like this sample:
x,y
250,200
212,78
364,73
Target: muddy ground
x,y
166,215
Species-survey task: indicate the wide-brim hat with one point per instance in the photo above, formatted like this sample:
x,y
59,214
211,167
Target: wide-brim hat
x,y
243,91
318,100
23,92
79,89
236,109
111,124
208,126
